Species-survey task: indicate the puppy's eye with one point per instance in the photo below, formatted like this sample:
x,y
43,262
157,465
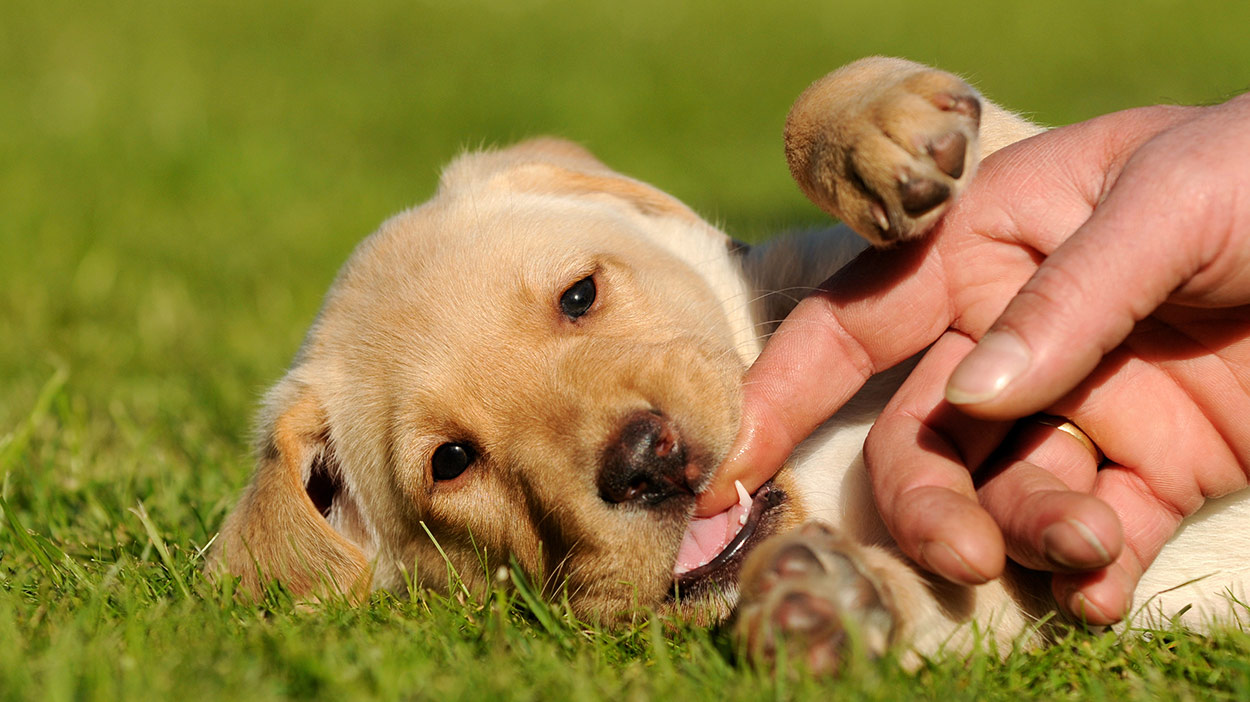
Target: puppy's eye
x,y
450,460
576,301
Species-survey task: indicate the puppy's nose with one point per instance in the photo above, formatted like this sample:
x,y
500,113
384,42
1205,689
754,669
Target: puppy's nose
x,y
644,463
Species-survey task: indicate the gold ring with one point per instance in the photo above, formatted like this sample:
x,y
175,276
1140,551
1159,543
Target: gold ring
x,y
1066,426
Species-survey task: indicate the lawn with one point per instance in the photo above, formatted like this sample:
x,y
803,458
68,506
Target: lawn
x,y
179,182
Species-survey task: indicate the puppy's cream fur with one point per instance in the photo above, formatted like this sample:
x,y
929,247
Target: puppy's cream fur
x,y
445,326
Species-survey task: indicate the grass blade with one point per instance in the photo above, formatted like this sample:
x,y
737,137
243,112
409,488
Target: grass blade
x,y
161,548
28,543
536,604
13,444
450,566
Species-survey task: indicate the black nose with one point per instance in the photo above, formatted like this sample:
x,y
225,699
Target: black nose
x,y
645,463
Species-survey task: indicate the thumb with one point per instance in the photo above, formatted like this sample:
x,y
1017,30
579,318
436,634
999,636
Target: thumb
x,y
1167,229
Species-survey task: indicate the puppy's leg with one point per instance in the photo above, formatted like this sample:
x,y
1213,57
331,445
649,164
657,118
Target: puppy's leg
x,y
810,595
886,145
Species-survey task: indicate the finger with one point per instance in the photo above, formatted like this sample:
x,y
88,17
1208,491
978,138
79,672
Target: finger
x,y
1206,356
1094,288
1048,519
1101,597
861,321
917,456
1151,236
1180,435
1168,417
1105,597
1174,437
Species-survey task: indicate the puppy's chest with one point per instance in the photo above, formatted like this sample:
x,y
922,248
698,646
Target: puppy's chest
x,y
827,472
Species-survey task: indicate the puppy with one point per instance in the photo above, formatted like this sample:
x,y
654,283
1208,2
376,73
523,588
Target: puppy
x,y
543,363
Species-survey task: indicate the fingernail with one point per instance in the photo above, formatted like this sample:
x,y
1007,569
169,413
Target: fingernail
x,y
997,360
1073,545
943,560
1098,598
1084,609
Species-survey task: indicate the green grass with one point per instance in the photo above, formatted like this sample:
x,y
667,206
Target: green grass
x,y
179,182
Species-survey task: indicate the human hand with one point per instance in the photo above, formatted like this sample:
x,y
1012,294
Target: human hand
x,y
1129,234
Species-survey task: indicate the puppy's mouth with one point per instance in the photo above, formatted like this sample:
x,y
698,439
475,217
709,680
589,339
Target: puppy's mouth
x,y
713,548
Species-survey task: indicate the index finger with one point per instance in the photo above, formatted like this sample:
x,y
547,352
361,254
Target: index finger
x,y
879,310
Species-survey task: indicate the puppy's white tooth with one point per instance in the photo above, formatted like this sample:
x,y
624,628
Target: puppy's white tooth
x,y
742,519
878,213
744,497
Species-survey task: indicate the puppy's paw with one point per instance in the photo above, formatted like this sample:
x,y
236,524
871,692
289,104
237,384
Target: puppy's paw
x,y
806,596
885,145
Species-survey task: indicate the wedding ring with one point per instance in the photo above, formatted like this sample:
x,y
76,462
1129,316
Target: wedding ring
x,y
1066,426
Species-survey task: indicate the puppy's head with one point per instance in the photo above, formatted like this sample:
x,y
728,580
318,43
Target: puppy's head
x,y
539,364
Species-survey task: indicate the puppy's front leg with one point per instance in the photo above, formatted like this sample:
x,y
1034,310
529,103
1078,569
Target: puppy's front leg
x,y
808,595
886,145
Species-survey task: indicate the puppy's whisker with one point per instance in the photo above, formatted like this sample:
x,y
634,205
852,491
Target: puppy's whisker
x,y
787,291
732,306
561,570
764,338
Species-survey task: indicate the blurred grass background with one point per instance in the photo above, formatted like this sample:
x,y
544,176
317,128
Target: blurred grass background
x,y
179,182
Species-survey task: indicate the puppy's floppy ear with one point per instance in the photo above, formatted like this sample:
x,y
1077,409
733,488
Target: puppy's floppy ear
x,y
277,531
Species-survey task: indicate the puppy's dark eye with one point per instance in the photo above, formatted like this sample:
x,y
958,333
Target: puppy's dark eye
x,y
450,460
576,301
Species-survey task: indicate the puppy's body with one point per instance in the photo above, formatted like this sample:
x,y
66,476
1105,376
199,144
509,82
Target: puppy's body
x,y
543,363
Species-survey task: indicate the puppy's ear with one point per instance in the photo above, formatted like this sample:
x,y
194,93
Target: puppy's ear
x,y
278,530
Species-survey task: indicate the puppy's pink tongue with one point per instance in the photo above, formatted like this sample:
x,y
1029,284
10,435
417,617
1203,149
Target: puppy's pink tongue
x,y
706,537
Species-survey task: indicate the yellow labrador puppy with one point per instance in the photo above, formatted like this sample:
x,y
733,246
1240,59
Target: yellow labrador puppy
x,y
543,362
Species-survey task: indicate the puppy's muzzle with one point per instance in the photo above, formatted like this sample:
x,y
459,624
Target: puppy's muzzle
x,y
645,463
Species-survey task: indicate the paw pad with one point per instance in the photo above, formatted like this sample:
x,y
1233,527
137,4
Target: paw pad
x,y
805,595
